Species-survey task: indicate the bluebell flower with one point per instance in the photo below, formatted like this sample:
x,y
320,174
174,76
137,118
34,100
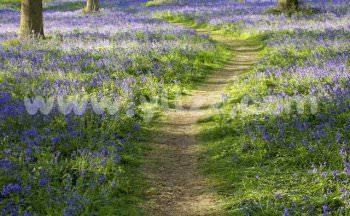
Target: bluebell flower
x,y
278,196
43,182
11,188
326,208
338,137
285,212
335,174
137,127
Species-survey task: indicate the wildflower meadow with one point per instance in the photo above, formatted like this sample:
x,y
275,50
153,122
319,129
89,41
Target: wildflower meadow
x,y
174,107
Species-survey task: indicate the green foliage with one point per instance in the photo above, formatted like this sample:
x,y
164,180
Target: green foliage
x,y
63,6
266,177
260,177
10,4
74,170
233,31
66,6
163,2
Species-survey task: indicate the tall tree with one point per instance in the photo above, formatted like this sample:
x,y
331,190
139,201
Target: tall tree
x,y
31,19
288,4
92,5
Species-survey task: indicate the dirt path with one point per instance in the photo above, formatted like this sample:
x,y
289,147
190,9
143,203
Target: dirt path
x,y
178,189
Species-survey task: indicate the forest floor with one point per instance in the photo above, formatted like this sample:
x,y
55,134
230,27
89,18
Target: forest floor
x,y
173,166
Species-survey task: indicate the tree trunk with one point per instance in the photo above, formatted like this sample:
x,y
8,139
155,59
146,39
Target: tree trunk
x,y
92,6
31,19
288,4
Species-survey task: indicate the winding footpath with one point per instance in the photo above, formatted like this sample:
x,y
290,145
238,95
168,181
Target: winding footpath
x,y
172,167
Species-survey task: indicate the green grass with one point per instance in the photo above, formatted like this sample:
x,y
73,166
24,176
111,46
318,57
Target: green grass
x,y
160,2
207,63
13,4
257,177
264,178
65,6
231,31
129,195
10,4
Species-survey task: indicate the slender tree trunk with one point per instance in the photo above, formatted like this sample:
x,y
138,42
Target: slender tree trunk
x,y
31,19
288,4
92,6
